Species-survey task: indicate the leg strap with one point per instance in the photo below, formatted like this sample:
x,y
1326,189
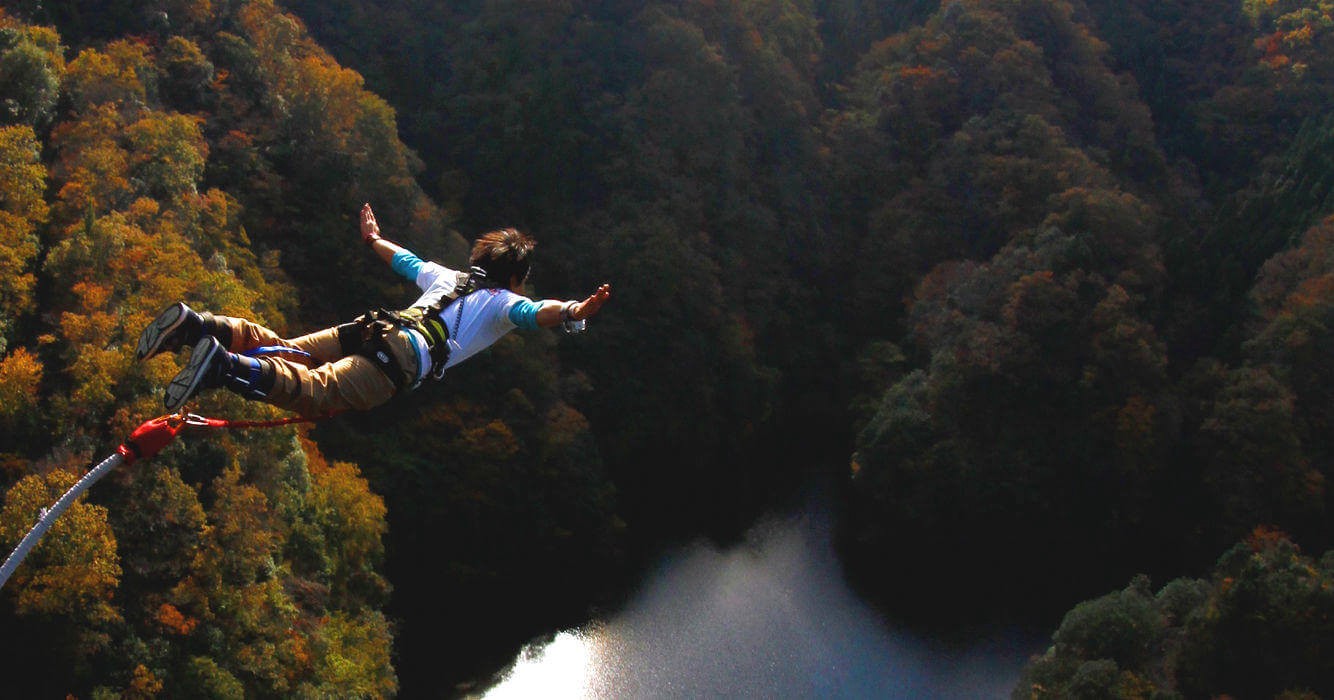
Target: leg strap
x,y
366,336
250,377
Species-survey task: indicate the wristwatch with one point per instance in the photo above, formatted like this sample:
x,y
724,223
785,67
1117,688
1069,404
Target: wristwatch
x,y
567,321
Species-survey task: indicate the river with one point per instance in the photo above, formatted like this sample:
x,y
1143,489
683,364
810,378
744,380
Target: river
x,y
771,617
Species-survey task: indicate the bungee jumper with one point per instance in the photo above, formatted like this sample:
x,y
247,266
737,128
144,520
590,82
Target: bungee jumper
x,y
356,365
362,364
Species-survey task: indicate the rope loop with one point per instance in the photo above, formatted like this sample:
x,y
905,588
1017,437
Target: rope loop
x,y
195,420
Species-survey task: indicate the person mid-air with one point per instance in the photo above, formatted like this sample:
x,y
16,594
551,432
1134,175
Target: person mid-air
x,y
364,363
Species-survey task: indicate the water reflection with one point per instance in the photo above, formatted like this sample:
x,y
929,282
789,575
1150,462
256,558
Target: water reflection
x,y
770,618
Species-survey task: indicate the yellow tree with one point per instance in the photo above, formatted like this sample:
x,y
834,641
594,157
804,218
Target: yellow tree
x,y
233,592
167,154
351,521
91,169
351,657
22,211
123,73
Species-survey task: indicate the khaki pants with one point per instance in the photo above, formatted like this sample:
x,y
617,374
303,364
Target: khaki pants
x,y
327,381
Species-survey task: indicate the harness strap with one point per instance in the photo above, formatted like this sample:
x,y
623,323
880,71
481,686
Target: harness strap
x,y
365,336
429,324
373,327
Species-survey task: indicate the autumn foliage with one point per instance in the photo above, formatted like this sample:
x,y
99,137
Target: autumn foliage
x,y
178,576
1054,274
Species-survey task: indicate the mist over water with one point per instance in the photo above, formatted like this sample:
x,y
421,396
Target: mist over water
x,y
772,617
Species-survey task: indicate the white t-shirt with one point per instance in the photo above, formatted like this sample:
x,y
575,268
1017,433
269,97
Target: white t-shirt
x,y
486,312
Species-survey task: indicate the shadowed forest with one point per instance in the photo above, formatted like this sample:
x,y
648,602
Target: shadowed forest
x,y
1045,286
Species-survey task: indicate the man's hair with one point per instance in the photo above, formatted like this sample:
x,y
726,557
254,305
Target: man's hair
x,y
503,254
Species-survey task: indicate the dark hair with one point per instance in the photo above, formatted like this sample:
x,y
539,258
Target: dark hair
x,y
503,254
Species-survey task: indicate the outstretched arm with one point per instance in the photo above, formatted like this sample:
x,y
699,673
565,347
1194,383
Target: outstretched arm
x,y
384,249
370,234
552,315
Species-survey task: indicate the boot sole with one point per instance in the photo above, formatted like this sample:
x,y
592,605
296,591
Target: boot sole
x,y
157,332
186,382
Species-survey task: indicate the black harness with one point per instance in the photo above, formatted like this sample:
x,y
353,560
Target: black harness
x,y
366,335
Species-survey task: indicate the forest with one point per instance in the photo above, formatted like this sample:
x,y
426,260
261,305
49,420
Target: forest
x,y
1044,287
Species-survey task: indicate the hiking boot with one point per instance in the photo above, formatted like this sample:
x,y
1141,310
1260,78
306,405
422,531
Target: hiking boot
x,y
174,328
211,366
206,369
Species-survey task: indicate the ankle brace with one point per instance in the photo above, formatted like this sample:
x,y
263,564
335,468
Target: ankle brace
x,y
250,377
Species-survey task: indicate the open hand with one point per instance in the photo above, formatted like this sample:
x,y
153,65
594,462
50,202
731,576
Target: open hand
x,y
592,304
370,230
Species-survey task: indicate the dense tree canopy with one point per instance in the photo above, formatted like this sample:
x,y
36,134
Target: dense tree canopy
x,y
245,565
1257,626
1055,273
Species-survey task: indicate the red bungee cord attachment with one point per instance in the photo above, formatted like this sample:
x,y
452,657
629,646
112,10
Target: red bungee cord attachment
x,y
150,437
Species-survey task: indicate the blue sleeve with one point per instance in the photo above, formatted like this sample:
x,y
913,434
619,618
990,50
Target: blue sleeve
x,y
406,264
523,314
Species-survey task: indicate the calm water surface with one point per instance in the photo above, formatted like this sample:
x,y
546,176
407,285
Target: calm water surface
x,y
772,618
